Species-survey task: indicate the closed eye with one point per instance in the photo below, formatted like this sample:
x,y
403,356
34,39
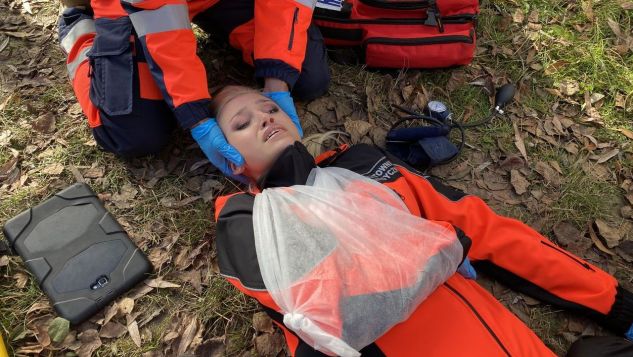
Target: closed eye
x,y
243,125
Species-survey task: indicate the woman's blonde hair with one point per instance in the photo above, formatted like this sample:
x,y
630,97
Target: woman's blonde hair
x,y
315,143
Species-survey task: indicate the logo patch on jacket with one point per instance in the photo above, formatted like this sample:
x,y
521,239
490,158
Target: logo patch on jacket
x,y
383,171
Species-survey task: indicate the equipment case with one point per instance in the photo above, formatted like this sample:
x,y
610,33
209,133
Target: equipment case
x,y
403,34
80,255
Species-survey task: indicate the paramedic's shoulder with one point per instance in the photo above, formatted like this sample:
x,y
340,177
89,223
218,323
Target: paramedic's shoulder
x,y
235,240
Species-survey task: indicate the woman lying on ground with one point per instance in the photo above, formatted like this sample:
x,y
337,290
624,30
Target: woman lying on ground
x,y
458,317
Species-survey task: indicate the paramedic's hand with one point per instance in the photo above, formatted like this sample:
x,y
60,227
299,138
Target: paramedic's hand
x,y
213,143
629,334
467,270
285,102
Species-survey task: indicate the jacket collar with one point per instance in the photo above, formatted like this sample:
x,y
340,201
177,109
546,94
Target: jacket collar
x,y
291,168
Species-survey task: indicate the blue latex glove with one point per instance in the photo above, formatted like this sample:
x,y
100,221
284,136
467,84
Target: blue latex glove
x,y
213,143
285,102
629,334
467,270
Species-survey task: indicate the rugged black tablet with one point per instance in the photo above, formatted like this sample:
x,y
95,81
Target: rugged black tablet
x,y
81,256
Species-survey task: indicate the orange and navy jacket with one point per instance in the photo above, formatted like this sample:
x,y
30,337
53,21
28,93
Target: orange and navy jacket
x,y
460,318
161,30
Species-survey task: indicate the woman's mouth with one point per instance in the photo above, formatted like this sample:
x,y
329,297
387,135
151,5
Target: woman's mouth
x,y
272,132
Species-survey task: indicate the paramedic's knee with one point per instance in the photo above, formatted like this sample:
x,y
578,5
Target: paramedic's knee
x,y
315,73
135,135
601,346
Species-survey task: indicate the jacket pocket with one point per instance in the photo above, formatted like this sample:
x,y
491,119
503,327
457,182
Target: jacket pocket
x,y
295,20
112,66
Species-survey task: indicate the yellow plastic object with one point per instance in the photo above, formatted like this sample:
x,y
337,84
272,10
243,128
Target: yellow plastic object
x,y
3,350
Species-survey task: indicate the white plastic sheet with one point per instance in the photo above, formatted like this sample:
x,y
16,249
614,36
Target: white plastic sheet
x,y
345,260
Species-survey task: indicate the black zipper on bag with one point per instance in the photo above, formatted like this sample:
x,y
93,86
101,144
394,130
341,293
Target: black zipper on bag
x,y
405,5
295,19
584,265
483,322
454,19
419,41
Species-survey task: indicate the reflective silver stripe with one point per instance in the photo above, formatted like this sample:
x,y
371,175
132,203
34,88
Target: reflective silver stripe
x,y
72,66
165,18
81,28
132,1
309,3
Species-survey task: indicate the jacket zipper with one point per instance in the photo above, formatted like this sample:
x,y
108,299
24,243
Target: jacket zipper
x,y
454,19
295,19
472,308
418,41
584,264
407,5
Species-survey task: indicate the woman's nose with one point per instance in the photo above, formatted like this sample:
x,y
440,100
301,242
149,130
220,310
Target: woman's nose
x,y
267,119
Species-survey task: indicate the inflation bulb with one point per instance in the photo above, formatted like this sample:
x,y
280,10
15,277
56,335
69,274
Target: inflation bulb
x,y
504,96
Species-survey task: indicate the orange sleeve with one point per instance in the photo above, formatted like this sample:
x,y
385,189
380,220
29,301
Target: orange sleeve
x,y
281,37
169,45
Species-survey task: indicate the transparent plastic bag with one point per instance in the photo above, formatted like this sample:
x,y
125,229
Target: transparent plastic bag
x,y
345,260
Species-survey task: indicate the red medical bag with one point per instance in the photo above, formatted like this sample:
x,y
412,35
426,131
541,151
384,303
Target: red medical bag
x,y
403,34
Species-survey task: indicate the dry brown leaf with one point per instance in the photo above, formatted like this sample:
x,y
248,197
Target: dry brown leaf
x,y
158,257
615,27
76,173
112,330
262,322
518,16
572,148
566,233
8,168
512,162
519,182
194,278
188,334
518,141
549,174
457,80
30,349
159,283
45,123
41,332
213,347
626,132
53,169
4,261
555,166
407,91
598,242
134,333
110,312
20,280
126,305
612,235
533,16
587,7
94,172
90,341
269,345
171,202
357,129
124,198
569,87
627,5
608,155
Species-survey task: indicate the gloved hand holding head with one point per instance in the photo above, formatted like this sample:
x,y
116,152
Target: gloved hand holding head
x,y
256,126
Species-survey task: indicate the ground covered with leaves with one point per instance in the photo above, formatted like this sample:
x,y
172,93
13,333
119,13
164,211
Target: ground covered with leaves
x,y
560,160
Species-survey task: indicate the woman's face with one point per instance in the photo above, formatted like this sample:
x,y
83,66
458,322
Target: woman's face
x,y
258,129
